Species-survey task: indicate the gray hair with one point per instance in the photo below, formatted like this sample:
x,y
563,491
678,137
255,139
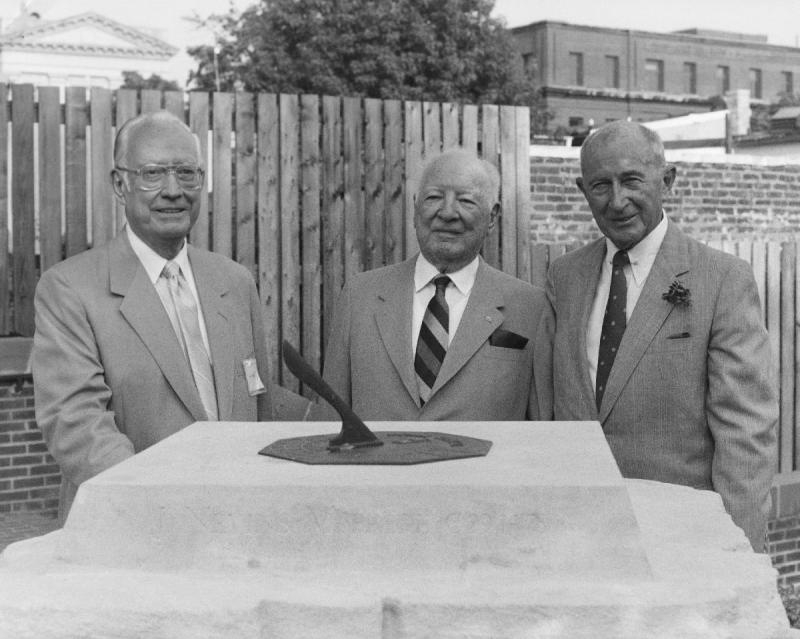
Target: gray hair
x,y
625,128
144,120
491,188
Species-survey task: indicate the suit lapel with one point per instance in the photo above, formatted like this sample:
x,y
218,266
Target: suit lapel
x,y
143,310
481,317
212,291
581,306
651,310
393,317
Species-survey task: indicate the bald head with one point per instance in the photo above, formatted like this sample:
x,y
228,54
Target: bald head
x,y
486,174
630,133
148,124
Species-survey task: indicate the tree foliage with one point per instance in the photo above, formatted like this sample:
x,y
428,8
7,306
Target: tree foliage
x,y
442,50
135,80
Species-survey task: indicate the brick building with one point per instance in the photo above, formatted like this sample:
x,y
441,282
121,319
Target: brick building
x,y
602,74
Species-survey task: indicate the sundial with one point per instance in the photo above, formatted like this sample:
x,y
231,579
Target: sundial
x,y
356,443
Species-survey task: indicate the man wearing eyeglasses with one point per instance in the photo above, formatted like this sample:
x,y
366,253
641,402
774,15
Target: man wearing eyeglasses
x,y
146,334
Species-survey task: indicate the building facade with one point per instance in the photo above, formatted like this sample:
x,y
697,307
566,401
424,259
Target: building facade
x,y
591,75
83,50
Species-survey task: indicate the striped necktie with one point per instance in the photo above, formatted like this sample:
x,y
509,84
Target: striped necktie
x,y
433,339
613,323
187,314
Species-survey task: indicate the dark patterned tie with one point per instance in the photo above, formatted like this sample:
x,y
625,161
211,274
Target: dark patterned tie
x,y
433,339
613,323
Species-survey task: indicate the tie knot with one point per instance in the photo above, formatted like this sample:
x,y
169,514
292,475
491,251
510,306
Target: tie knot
x,y
621,258
441,283
171,270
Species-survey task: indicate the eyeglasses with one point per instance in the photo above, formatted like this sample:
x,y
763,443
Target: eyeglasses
x,y
154,176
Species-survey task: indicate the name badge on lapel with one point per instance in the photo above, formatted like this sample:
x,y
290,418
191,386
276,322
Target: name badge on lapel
x,y
254,384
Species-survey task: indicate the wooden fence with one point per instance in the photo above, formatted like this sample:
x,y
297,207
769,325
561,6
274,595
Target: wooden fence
x,y
775,266
302,190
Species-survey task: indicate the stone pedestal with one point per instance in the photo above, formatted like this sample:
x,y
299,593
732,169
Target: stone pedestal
x,y
200,536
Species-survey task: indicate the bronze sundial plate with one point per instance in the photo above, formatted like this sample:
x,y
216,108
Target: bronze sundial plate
x,y
399,448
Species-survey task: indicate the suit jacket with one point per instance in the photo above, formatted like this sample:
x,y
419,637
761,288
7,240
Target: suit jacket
x,y
369,359
110,377
691,397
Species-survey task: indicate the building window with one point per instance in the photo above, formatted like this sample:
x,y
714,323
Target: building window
x,y
788,82
528,62
689,77
575,121
612,72
654,75
755,83
723,79
576,68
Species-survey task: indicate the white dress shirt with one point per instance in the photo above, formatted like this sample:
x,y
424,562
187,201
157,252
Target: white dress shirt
x,y
641,256
456,295
154,264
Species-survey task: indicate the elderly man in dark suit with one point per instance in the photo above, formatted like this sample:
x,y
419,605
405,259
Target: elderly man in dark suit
x,y
140,337
661,338
444,336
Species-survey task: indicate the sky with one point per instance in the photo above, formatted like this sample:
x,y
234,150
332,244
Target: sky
x,y
779,20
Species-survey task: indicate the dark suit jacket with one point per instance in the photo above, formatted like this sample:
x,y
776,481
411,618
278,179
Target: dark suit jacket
x,y
691,398
110,378
369,359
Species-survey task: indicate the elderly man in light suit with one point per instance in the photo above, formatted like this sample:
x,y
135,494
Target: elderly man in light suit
x,y
444,336
661,338
144,335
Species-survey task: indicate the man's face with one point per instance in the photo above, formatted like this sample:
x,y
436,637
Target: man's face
x,y
452,213
162,217
624,183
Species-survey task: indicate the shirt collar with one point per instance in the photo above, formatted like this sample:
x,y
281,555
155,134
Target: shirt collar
x,y
152,262
643,254
462,279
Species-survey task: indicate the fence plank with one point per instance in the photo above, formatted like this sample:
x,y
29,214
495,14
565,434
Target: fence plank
x,y
522,182
309,206
198,123
269,215
490,151
102,196
374,194
412,115
469,127
450,137
49,177
332,213
5,275
760,273
508,190
245,182
22,198
431,130
75,120
125,110
354,223
540,261
173,102
774,303
290,229
788,264
796,361
151,100
394,223
222,200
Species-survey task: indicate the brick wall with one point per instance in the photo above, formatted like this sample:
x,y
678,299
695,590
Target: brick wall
x,y
29,478
783,529
710,200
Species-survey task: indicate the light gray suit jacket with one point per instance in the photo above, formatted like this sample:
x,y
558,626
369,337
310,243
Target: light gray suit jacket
x,y
691,397
369,359
110,378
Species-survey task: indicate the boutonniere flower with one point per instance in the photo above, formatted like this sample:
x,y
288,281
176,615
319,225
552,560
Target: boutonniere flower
x,y
678,294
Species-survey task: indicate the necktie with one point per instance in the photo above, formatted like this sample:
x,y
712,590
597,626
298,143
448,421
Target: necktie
x,y
433,339
613,323
187,314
